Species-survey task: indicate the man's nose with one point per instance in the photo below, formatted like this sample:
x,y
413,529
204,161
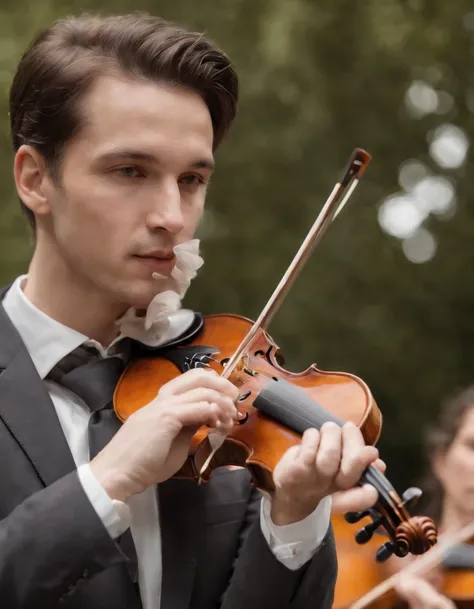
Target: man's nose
x,y
165,211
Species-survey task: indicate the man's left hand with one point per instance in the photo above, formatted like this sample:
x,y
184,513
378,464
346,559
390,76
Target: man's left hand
x,y
327,462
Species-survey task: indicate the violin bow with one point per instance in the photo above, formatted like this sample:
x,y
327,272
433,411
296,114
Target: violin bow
x,y
335,203
431,559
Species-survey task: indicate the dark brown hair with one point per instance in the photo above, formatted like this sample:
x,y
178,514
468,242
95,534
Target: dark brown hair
x,y
439,439
64,60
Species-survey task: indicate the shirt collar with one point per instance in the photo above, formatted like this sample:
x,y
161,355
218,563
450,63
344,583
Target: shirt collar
x,y
48,341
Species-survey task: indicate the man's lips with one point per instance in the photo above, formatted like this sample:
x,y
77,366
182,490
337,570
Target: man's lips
x,y
157,261
158,254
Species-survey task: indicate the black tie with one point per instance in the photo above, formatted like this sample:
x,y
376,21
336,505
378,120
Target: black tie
x,y
93,379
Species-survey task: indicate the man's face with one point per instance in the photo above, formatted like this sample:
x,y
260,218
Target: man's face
x,y
132,186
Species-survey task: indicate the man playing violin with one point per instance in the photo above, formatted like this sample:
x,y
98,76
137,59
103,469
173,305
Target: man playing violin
x,y
115,122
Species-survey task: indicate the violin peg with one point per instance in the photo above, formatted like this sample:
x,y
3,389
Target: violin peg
x,y
363,535
353,517
411,496
384,552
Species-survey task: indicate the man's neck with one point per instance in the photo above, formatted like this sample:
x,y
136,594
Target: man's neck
x,y
77,306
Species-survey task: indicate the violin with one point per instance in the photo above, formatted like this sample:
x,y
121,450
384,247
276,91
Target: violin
x,y
275,405
358,574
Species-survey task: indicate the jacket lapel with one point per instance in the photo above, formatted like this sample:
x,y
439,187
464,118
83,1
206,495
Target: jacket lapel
x,y
27,410
181,513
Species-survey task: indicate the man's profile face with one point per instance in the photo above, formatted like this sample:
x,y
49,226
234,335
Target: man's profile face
x,y
132,185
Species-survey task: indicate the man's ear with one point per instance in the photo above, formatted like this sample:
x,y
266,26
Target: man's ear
x,y
30,174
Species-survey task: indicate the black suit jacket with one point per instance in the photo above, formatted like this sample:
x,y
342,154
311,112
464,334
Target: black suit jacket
x,y
55,551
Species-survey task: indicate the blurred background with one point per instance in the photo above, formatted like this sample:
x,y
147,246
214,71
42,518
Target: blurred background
x,y
389,293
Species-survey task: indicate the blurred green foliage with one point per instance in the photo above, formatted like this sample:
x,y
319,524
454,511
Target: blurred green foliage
x,y
318,79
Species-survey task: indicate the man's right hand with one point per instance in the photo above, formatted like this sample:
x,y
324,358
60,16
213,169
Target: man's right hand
x,y
154,441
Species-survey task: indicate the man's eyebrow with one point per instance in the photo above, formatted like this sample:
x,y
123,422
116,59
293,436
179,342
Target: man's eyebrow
x,y
129,153
205,164
137,155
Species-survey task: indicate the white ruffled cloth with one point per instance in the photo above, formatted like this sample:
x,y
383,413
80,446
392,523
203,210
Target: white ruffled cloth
x,y
164,319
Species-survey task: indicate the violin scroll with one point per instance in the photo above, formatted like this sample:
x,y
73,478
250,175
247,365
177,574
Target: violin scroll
x,y
409,534
413,536
416,535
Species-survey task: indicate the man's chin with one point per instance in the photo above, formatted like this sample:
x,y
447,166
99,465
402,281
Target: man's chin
x,y
139,296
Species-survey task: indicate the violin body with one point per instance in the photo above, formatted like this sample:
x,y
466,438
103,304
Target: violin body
x,y
259,442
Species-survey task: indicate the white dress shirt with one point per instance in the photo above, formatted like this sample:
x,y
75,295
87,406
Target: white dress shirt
x,y
47,342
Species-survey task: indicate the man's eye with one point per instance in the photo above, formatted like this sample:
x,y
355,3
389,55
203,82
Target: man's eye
x,y
130,171
192,179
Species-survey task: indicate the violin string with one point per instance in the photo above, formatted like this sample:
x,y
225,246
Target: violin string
x,y
424,563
